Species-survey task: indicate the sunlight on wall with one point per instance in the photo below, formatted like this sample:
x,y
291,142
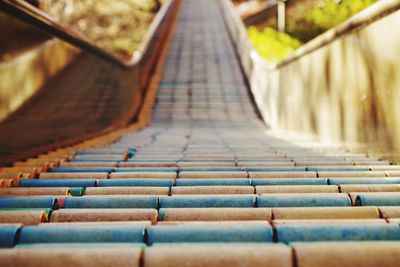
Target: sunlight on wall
x,y
22,77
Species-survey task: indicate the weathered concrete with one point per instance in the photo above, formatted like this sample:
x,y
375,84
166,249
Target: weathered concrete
x,y
25,75
341,87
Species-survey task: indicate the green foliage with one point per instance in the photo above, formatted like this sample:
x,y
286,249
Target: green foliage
x,y
323,15
330,13
303,24
271,44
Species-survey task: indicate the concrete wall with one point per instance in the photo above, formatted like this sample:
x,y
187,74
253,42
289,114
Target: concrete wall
x,y
23,76
342,88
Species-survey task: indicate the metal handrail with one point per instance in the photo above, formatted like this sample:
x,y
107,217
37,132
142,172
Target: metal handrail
x,y
33,15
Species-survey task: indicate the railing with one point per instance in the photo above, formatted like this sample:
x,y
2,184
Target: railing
x,y
341,87
97,91
24,11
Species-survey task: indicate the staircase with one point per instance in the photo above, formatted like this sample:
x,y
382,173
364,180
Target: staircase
x,y
204,185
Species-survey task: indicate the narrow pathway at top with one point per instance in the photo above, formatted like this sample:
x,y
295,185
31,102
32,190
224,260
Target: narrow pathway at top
x,y
202,102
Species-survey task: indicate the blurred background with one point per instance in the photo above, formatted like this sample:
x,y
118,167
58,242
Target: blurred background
x,y
304,20
116,26
119,26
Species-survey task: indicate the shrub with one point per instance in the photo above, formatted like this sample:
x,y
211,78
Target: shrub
x,y
321,16
330,13
304,23
271,44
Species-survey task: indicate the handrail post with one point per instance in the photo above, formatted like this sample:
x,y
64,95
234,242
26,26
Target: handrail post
x,y
281,15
